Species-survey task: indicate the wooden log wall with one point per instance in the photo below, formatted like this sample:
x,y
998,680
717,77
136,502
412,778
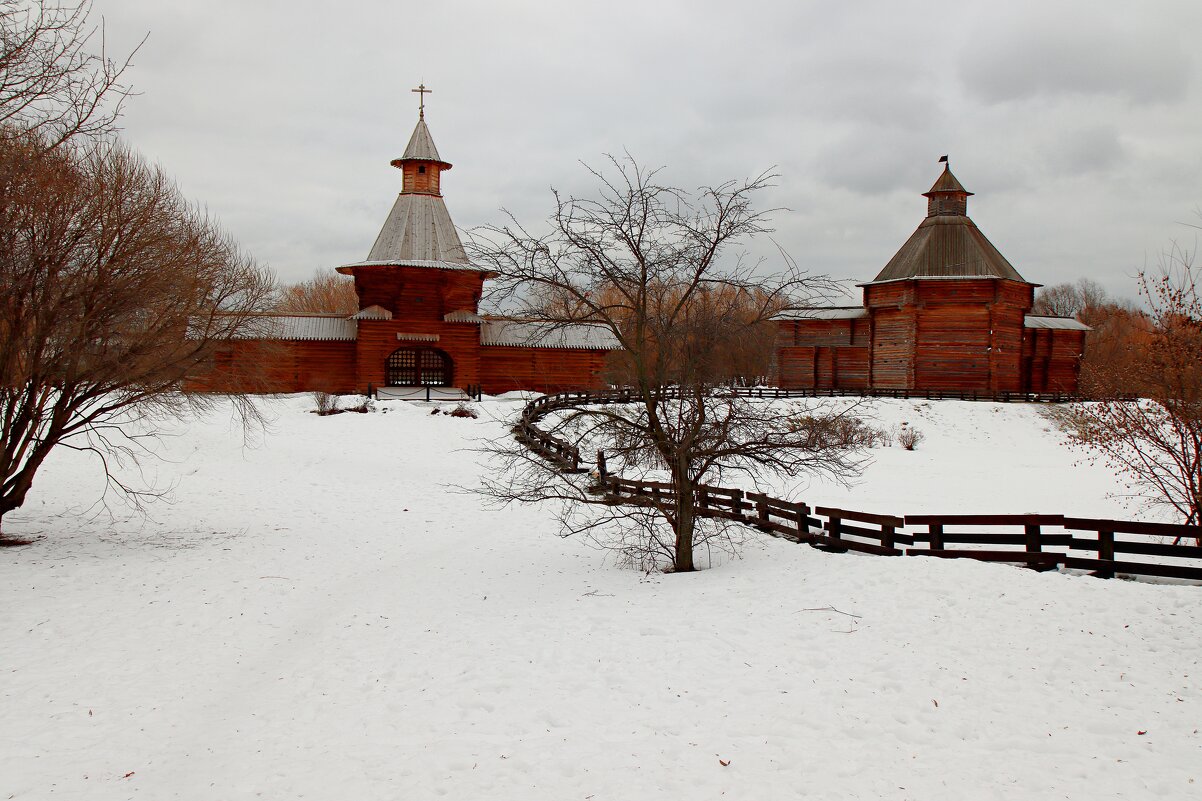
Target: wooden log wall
x,y
952,348
506,368
940,335
805,367
893,347
418,293
271,366
378,339
1052,359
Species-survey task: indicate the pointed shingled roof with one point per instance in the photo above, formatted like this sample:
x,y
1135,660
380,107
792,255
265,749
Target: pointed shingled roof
x,y
418,231
947,244
421,147
946,183
419,228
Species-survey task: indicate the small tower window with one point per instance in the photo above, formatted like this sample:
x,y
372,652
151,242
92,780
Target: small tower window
x,y
421,169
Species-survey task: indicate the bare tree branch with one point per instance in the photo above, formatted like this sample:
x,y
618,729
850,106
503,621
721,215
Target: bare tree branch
x,y
659,268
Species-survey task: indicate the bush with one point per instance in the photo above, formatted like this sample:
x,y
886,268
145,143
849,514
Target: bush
x,y
909,437
326,403
463,410
839,431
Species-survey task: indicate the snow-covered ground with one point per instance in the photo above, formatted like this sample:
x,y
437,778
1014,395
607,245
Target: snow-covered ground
x,y
323,615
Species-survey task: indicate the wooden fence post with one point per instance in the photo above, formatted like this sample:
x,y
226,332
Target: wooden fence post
x,y
887,534
1034,538
835,529
1106,554
936,536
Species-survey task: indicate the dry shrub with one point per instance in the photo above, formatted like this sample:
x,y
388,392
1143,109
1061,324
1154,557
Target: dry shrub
x,y
908,437
463,410
840,432
326,403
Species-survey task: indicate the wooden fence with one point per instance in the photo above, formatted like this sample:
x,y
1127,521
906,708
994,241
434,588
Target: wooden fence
x,y
1039,541
913,394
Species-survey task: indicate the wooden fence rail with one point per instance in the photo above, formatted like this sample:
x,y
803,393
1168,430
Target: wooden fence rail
x,y
910,394
1037,541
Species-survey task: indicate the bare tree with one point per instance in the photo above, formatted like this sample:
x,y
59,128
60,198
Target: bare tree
x,y
326,292
1059,300
112,291
651,265
56,78
1156,441
1070,300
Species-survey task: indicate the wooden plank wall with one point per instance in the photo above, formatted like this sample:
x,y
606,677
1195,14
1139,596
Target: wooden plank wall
x,y
807,367
893,347
278,366
795,367
952,349
418,293
851,367
505,369
1052,359
378,339
819,332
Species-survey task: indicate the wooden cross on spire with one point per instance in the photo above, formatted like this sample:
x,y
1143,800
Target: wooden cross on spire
x,y
422,91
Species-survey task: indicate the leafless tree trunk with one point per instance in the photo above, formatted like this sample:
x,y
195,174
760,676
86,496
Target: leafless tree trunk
x,y
652,265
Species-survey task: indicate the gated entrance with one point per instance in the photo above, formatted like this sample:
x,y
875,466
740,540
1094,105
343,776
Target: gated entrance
x,y
419,367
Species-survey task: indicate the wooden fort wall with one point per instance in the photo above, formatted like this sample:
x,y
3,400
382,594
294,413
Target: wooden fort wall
x,y
1052,359
380,338
509,368
274,366
942,335
418,293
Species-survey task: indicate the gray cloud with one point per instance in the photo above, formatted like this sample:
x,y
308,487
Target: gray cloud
x,y
281,117
1054,50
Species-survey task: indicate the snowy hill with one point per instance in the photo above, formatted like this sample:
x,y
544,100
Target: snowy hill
x,y
322,614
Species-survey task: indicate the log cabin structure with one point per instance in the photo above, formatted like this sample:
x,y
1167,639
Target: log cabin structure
x,y
948,313
418,325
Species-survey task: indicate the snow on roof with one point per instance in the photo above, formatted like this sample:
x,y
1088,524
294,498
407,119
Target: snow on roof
x,y
1058,323
521,333
828,313
427,263
300,326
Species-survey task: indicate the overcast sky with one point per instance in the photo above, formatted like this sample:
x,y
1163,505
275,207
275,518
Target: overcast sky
x,y
1078,126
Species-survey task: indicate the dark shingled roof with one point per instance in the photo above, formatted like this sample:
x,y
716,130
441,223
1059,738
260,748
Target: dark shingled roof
x,y
947,244
947,183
